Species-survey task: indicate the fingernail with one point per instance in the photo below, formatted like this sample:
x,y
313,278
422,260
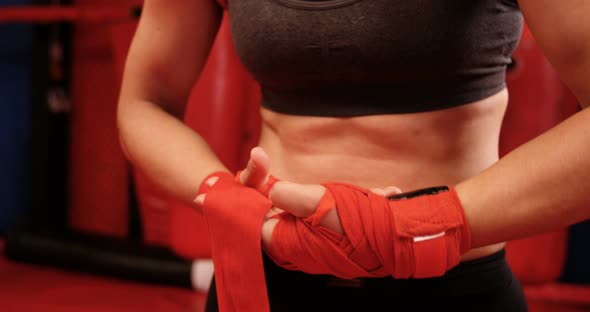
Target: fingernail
x,y
255,150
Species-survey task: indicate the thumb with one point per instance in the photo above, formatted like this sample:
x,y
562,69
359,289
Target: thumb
x,y
388,191
257,170
301,200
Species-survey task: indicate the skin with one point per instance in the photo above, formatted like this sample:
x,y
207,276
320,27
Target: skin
x,y
538,187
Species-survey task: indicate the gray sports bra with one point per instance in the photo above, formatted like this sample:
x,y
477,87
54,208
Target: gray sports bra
x,y
365,57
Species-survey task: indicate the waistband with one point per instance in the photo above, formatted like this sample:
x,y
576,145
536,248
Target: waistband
x,y
473,276
470,276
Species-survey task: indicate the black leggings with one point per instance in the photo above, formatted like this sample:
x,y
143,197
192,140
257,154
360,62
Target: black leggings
x,y
484,284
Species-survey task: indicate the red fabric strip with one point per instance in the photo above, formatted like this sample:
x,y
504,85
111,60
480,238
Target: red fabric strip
x,y
410,238
234,215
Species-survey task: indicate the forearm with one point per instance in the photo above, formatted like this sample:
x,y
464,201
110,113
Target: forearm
x,y
171,154
541,186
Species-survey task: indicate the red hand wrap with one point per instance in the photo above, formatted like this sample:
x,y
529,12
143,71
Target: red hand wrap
x,y
234,216
418,237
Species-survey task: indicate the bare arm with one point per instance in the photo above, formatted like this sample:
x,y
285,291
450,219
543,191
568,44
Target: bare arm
x,y
166,56
544,184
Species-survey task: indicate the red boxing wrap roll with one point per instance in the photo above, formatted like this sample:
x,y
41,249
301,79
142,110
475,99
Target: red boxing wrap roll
x,y
234,215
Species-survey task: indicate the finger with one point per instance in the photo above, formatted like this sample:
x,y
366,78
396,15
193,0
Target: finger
x,y
273,212
211,181
391,190
378,191
301,200
387,191
200,200
257,170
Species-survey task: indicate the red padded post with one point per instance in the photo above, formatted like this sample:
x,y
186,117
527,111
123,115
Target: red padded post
x,y
98,169
538,101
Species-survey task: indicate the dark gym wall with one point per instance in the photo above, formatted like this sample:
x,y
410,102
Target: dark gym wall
x,y
15,84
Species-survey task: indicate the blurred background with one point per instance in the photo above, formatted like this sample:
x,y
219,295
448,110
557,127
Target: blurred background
x,y
82,230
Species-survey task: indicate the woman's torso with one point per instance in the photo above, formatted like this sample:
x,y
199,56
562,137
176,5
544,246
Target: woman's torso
x,y
376,92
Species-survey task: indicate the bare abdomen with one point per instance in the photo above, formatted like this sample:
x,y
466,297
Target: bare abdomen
x,y
409,151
